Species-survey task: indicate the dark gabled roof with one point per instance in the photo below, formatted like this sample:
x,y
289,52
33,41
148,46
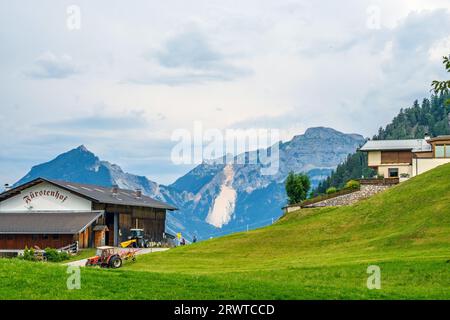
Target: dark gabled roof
x,y
95,193
46,222
414,145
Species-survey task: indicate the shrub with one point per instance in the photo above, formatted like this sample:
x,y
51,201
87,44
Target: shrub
x,y
54,255
331,190
64,255
28,254
352,184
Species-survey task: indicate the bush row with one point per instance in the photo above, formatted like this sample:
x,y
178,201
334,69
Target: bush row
x,y
50,254
350,185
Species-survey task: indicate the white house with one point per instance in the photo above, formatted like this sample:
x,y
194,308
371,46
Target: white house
x,y
407,158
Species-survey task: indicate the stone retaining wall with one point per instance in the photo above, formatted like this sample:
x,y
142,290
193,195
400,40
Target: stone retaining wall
x,y
365,192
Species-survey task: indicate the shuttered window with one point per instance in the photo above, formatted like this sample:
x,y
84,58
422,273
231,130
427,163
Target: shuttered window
x,y
388,157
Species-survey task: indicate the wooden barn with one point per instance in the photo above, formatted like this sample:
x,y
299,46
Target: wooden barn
x,y
51,213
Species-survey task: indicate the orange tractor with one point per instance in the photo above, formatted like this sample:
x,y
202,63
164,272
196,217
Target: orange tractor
x,y
110,257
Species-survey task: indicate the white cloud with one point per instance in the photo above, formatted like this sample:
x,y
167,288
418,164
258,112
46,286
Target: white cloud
x,y
439,49
50,66
188,58
289,65
189,49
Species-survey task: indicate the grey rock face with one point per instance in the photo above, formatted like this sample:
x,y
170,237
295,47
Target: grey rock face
x,y
259,197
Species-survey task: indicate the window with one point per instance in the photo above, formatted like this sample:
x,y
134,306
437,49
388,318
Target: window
x,y
45,236
388,157
439,151
442,151
10,237
34,237
55,236
393,172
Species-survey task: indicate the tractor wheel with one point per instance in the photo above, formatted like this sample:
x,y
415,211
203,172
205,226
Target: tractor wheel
x,y
115,262
147,244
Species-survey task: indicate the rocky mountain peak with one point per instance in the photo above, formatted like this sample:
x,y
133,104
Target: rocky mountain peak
x,y
215,196
321,132
82,148
314,135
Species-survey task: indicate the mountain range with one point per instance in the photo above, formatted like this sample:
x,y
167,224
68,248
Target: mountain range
x,y
216,197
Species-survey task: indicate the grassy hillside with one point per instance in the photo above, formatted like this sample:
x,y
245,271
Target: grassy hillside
x,y
312,253
406,220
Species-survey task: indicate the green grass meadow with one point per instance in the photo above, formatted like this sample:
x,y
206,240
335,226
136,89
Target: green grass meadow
x,y
308,254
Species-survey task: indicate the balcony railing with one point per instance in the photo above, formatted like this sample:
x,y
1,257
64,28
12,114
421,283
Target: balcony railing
x,y
380,181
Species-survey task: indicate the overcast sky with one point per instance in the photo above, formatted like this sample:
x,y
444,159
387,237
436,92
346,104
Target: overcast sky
x,y
136,71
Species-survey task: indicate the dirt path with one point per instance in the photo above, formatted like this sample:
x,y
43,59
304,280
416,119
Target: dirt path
x,y
82,262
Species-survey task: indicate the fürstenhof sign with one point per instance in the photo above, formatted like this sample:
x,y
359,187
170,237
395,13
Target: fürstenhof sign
x,y
45,193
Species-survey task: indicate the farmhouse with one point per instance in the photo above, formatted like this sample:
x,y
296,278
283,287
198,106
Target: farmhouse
x,y
407,158
51,213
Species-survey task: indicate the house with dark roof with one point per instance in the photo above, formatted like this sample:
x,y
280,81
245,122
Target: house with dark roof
x,y
52,213
402,159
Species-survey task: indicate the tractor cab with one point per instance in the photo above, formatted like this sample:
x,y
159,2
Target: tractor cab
x,y
104,251
139,236
136,233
